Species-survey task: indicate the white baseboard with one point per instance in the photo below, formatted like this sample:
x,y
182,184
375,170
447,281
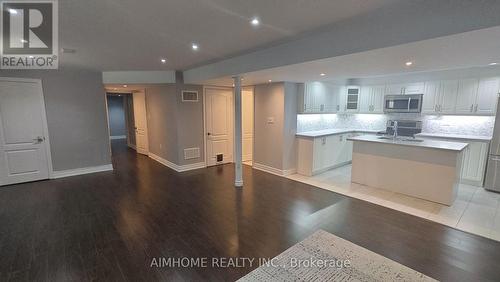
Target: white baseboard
x,y
117,137
80,171
273,170
176,167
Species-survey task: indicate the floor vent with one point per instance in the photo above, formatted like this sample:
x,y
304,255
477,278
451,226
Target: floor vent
x,y
191,153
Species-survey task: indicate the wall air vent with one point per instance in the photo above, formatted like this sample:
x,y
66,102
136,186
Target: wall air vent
x,y
191,153
189,96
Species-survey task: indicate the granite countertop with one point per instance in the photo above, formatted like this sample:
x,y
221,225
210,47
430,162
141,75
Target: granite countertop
x,y
456,136
326,132
433,144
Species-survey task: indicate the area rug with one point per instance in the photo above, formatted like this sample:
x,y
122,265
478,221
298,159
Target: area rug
x,y
326,257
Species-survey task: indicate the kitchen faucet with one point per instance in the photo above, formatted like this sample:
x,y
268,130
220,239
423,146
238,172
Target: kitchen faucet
x,y
395,129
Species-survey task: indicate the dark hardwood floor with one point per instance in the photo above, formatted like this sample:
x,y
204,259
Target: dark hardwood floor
x,y
108,226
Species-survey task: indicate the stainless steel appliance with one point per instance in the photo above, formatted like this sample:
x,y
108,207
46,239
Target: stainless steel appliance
x,y
406,128
403,103
492,181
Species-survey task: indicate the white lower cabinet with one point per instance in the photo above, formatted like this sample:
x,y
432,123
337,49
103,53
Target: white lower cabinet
x,y
475,158
316,155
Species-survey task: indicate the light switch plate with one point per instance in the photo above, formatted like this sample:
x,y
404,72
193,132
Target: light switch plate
x,y
270,120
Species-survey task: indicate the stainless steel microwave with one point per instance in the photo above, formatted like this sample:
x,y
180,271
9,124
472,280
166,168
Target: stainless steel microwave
x,y
403,103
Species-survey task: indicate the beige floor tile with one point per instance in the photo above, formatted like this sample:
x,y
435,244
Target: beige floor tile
x,y
411,205
474,211
477,217
465,192
449,215
486,198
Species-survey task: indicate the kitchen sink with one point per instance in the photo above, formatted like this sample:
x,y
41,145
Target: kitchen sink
x,y
405,139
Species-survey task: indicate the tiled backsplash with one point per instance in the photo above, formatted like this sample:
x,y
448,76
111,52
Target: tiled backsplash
x,y
466,125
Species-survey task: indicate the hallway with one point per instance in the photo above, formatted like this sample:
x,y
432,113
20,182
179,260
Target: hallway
x,y
109,226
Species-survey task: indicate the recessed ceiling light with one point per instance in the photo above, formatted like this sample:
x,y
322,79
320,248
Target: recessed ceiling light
x,y
125,85
115,88
409,63
31,57
493,64
12,11
255,22
24,41
269,80
163,61
322,74
194,46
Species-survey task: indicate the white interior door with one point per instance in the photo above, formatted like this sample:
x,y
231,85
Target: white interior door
x,y
141,124
24,151
219,125
247,124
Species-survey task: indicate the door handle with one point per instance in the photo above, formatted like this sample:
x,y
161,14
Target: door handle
x,y
38,139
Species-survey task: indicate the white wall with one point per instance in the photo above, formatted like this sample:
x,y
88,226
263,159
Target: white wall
x,y
76,116
174,125
274,143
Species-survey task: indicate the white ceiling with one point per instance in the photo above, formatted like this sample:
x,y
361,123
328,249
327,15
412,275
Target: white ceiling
x,y
134,35
465,50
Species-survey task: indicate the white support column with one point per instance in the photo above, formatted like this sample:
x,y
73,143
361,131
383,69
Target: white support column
x,y
238,174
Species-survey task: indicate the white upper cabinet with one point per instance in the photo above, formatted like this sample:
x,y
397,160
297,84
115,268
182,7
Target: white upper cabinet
x,y
394,89
466,98
372,99
320,97
352,99
407,88
414,88
448,96
471,96
378,93
487,96
431,97
365,99
461,97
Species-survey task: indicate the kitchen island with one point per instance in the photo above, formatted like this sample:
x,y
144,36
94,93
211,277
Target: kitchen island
x,y
426,169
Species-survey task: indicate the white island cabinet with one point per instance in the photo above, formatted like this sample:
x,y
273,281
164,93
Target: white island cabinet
x,y
475,155
429,169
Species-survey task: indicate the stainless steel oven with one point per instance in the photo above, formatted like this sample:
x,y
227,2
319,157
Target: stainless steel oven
x,y
403,103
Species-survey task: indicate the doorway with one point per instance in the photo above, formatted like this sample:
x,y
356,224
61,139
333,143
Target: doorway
x,y
247,107
117,115
24,139
219,125
127,118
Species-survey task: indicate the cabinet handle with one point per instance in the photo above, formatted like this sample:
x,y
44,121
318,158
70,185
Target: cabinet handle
x,y
475,109
471,108
338,108
322,107
436,108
